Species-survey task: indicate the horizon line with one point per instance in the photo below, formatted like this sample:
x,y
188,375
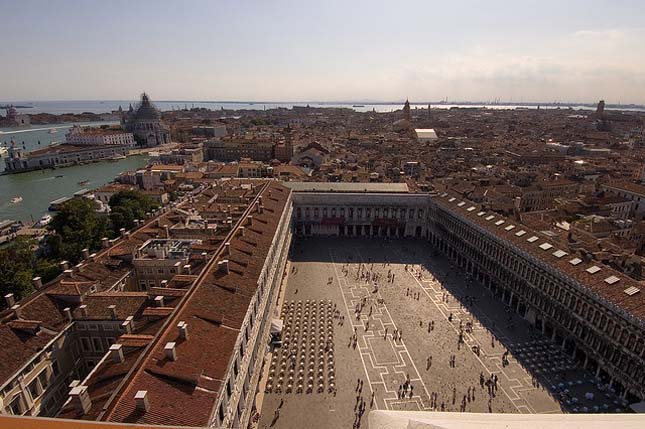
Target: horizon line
x,y
370,102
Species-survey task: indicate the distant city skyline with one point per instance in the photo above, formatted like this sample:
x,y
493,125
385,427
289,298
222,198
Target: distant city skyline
x,y
578,51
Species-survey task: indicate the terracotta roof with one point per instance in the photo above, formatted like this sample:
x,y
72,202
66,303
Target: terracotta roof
x,y
185,391
594,283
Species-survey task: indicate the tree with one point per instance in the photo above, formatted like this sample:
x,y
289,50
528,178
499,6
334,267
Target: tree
x,y
78,227
16,269
127,206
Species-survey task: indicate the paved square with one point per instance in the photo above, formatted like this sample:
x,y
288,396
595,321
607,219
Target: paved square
x,y
402,330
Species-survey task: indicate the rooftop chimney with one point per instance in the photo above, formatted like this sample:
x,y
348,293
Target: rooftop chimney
x,y
112,309
122,232
68,273
16,310
158,301
93,257
242,231
10,300
187,269
141,399
116,352
227,248
164,283
205,256
64,265
127,234
68,313
105,243
167,230
86,253
183,330
83,309
250,219
37,282
127,326
222,266
81,399
169,350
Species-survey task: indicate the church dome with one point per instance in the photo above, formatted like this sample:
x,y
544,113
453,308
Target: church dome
x,y
146,111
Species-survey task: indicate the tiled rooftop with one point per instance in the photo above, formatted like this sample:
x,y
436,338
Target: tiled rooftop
x,y
615,292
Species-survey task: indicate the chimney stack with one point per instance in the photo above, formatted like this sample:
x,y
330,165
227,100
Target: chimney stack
x,y
112,309
127,234
105,243
81,399
37,282
227,248
116,352
163,283
64,265
250,220
68,313
169,350
222,266
127,326
242,231
16,310
93,257
167,230
158,301
187,269
86,253
10,300
83,309
122,232
183,330
141,399
68,273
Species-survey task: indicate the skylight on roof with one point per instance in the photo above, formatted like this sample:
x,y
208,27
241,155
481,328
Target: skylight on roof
x,y
575,261
489,217
520,233
559,253
450,200
499,222
461,204
632,290
471,208
532,239
481,213
593,269
545,246
508,228
611,280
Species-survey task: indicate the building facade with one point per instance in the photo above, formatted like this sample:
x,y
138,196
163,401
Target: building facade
x,y
97,137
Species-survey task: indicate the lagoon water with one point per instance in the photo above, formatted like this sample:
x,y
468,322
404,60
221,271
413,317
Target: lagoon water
x,y
38,188
59,107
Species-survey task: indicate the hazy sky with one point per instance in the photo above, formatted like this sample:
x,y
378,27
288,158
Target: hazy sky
x,y
325,50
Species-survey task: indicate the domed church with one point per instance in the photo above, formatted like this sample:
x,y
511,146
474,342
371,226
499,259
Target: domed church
x,y
145,123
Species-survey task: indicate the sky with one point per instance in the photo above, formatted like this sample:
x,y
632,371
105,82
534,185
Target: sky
x,y
325,50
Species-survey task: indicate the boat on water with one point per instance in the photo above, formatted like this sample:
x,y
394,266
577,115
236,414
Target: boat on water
x,y
83,182
58,176
44,221
117,158
52,131
16,200
3,150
